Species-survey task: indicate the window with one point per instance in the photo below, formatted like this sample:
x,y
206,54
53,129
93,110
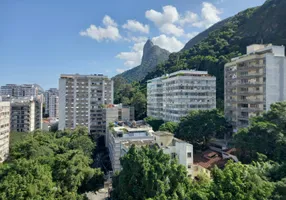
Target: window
x,y
189,154
189,166
173,155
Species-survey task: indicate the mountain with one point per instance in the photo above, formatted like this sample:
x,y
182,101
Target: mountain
x,y
205,34
214,47
152,56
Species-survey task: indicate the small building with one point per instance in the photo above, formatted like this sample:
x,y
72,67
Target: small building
x,y
122,136
176,148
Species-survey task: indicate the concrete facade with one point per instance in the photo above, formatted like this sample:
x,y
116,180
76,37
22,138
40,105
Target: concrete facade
x,y
25,90
177,149
120,138
4,130
81,97
172,96
52,102
253,82
26,114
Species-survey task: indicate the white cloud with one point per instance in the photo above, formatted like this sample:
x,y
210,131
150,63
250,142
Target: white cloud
x,y
188,18
132,58
209,16
139,39
191,35
165,20
171,44
136,26
107,21
172,29
110,32
120,70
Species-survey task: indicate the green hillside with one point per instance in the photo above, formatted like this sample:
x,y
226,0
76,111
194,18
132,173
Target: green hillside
x,y
264,24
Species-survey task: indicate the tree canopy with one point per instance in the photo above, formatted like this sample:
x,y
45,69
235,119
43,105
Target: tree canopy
x,y
169,126
155,123
148,173
198,127
265,135
46,165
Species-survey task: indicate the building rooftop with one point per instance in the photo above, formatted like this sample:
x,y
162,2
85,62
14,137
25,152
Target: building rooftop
x,y
209,158
182,73
139,143
163,133
83,76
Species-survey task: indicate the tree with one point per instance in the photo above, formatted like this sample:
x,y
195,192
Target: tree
x,y
64,156
169,126
26,179
148,173
238,181
266,135
155,123
198,127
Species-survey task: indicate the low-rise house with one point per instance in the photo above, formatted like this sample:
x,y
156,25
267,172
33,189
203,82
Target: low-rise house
x,y
176,148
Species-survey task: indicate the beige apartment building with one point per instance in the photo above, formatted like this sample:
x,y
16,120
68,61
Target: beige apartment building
x,y
81,97
253,82
26,114
4,130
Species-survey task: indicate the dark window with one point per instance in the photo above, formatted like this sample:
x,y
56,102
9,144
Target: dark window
x,y
189,154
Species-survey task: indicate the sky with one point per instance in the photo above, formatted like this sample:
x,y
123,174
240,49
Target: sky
x,y
39,40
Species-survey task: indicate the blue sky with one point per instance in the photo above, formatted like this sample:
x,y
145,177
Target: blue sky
x,y
39,40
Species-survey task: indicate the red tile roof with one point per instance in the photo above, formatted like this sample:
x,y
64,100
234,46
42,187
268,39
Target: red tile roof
x,y
208,159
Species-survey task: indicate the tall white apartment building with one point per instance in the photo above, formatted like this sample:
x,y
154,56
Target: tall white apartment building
x,y
80,97
52,103
172,96
25,90
253,82
26,114
4,130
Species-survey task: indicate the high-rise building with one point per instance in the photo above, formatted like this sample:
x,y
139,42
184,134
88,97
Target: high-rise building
x,y
253,82
4,130
80,97
25,90
52,103
172,96
26,114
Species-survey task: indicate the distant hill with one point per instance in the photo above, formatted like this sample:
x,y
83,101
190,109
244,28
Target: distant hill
x,y
214,47
152,56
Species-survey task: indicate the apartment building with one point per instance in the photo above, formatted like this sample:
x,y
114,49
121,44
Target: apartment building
x,y
26,114
122,136
108,114
52,103
253,82
172,96
24,90
4,130
81,97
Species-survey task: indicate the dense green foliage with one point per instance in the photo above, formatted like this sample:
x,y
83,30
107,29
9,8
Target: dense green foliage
x,y
266,135
198,127
132,95
150,174
154,123
169,126
211,49
46,165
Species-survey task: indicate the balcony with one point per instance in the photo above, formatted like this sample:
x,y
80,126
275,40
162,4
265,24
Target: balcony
x,y
249,67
